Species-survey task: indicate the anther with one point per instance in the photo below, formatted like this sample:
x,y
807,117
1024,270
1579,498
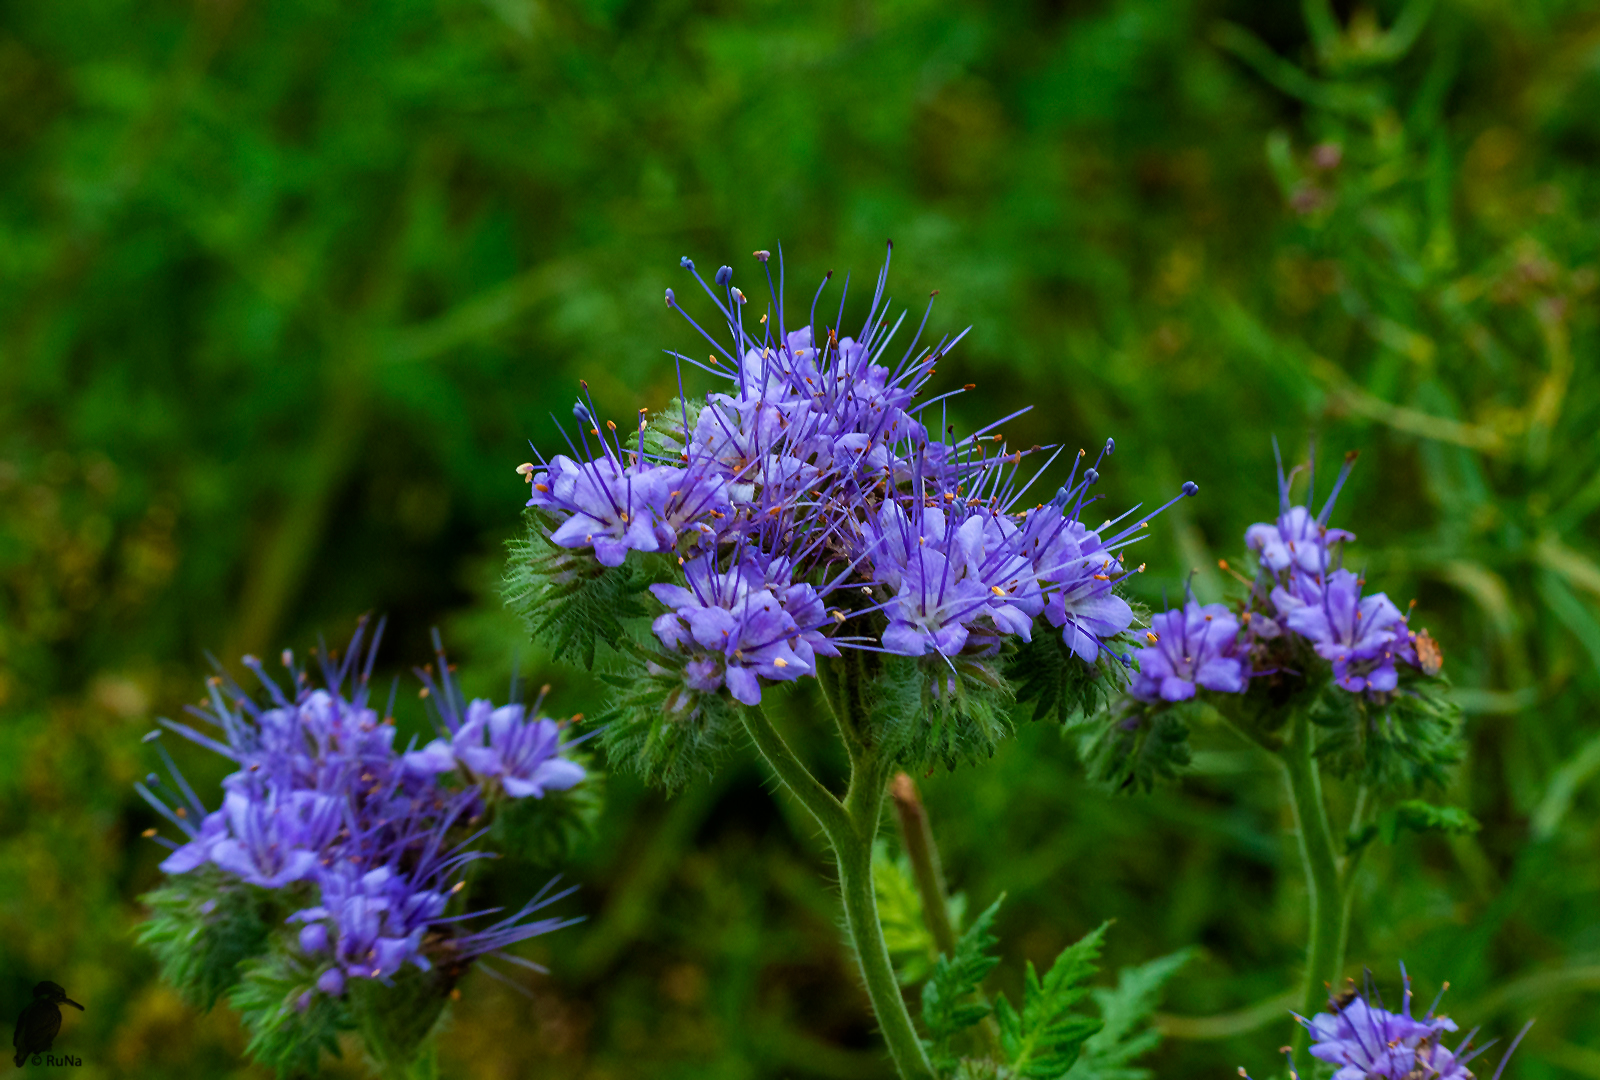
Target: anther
x,y
762,256
1191,488
724,275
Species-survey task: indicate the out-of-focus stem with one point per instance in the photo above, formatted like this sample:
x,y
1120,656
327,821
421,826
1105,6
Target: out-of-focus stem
x,y
1325,947
916,836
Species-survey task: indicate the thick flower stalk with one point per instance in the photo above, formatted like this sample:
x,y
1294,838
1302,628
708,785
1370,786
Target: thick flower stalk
x,y
360,846
815,515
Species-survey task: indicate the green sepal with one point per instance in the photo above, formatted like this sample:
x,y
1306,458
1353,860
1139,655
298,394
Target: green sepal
x,y
1058,685
950,999
395,1020
565,598
1042,1041
290,1022
1135,744
202,925
928,710
1393,741
1413,815
666,732
549,830
1125,1011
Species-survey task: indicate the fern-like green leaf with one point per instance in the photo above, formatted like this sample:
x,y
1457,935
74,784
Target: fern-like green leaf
x,y
565,598
950,999
1058,685
202,925
1394,742
547,831
1125,1012
928,711
1042,1041
395,1017
1414,815
666,732
290,1023
1135,745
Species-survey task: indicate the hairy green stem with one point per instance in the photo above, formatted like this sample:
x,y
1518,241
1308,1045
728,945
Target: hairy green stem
x,y
850,826
1329,913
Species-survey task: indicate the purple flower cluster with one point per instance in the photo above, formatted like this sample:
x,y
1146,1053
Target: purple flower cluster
x,y
1305,590
366,836
1365,1041
812,494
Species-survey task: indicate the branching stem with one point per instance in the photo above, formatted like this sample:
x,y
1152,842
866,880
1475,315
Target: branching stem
x,y
850,825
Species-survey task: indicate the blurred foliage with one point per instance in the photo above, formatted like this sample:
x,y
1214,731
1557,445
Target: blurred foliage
x,y
285,288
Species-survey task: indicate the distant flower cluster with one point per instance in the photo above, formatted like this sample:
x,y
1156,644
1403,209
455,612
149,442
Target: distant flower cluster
x,y
812,497
324,805
1302,590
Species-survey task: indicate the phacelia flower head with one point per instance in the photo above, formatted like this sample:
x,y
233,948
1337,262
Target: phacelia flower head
x,y
1305,590
324,807
818,500
1193,646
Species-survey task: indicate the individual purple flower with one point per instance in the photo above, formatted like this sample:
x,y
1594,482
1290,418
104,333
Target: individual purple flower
x,y
1194,646
1361,635
1298,543
736,626
605,506
502,746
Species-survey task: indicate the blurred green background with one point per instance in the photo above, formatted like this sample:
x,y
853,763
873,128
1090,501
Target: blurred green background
x,y
286,287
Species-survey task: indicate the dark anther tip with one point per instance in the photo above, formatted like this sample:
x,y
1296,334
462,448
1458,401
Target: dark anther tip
x,y
724,275
686,263
1111,446
1090,476
1351,456
1191,488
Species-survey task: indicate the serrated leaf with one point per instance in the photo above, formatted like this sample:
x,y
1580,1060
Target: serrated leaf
x,y
547,831
666,732
290,1023
1393,742
202,925
905,931
394,1018
926,711
1042,1041
1414,815
948,998
567,599
1125,1012
1136,744
1058,685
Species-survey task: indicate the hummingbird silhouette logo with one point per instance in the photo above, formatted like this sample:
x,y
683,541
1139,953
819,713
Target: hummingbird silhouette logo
x,y
40,1020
